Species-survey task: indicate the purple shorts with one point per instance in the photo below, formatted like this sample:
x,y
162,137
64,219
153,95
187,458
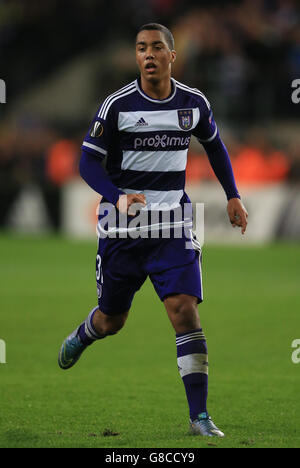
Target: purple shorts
x,y
123,265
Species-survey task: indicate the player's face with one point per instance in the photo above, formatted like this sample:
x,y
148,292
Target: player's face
x,y
153,56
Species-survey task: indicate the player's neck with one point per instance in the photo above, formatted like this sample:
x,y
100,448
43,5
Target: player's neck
x,y
157,90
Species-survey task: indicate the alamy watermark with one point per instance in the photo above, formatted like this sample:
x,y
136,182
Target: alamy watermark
x,y
296,352
2,92
2,352
296,93
159,221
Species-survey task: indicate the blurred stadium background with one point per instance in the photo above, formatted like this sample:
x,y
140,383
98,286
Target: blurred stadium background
x,y
60,58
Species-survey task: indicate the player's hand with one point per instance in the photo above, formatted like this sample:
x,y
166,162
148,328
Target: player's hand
x,y
126,201
237,213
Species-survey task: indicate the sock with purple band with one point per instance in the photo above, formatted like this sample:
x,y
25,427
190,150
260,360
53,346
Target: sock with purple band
x,y
87,332
192,363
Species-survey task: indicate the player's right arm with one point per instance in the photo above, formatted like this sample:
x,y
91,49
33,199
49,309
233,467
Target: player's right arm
x,y
126,201
94,148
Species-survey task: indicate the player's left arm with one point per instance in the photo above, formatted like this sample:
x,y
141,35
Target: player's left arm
x,y
208,135
237,214
220,162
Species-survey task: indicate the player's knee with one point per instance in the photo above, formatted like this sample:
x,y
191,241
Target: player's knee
x,y
112,325
184,314
184,306
111,329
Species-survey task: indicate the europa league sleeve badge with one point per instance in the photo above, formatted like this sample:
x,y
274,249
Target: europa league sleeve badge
x,y
96,130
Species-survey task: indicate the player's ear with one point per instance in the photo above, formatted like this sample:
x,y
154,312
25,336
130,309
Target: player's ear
x,y
173,56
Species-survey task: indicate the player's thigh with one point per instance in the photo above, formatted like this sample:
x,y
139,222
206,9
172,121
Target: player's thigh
x,y
180,289
118,277
183,278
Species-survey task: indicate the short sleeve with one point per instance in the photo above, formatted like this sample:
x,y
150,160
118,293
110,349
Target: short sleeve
x,y
99,135
206,129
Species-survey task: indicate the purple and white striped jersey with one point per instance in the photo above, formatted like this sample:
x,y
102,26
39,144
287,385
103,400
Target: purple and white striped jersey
x,y
146,140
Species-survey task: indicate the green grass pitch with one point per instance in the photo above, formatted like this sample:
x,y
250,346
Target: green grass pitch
x,y
126,391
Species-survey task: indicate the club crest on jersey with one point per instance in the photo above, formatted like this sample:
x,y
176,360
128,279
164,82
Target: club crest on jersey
x,y
185,119
96,130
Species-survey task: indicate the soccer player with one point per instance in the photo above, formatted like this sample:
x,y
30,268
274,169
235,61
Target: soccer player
x,y
144,130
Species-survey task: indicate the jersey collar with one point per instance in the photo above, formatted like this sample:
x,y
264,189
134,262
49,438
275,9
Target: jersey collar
x,y
157,101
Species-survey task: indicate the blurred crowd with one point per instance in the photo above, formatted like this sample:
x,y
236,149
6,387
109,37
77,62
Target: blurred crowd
x,y
242,54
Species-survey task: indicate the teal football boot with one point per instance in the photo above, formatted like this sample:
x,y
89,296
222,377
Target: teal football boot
x,y
70,350
204,426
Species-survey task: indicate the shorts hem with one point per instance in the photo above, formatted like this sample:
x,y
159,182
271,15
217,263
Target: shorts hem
x,y
108,311
188,293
